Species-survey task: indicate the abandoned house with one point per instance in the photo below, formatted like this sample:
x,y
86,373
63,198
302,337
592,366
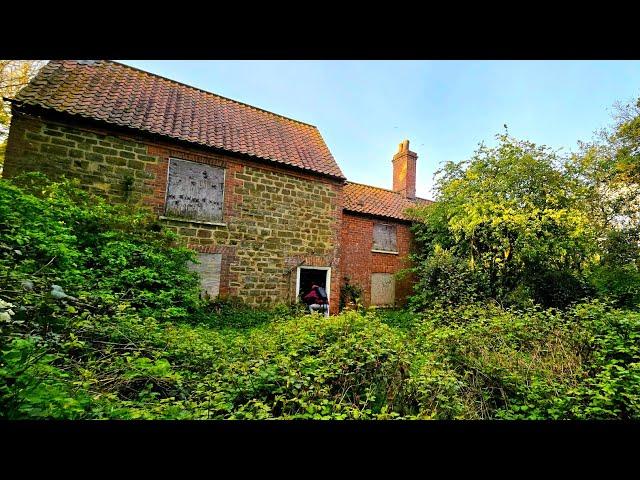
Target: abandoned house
x,y
258,195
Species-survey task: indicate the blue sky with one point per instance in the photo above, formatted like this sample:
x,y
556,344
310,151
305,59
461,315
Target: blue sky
x,y
364,109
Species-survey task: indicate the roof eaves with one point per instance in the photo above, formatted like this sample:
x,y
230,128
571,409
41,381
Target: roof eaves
x,y
376,215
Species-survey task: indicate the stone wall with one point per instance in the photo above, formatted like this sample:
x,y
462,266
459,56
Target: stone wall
x,y
274,219
272,223
111,166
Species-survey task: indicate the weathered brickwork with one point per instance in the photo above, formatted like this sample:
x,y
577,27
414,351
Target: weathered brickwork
x,y
273,219
359,262
111,166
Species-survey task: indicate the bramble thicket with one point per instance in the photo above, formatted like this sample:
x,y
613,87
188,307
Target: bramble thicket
x,y
526,306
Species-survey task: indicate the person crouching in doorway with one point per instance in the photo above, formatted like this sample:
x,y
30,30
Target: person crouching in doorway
x,y
317,300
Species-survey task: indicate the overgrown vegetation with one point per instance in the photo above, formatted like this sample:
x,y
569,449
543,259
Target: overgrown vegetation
x,y
350,295
521,225
527,307
479,361
126,335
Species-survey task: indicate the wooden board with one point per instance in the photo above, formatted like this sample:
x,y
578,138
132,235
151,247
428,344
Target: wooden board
x,y
209,272
195,191
383,289
385,237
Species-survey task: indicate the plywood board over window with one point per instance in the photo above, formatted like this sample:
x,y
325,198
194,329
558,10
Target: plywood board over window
x,y
385,237
209,272
194,191
383,289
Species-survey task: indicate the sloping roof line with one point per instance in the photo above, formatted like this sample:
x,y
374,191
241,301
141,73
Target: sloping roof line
x,y
418,199
126,96
377,201
212,93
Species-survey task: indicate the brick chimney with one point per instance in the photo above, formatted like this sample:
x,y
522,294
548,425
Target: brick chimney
x,y
404,171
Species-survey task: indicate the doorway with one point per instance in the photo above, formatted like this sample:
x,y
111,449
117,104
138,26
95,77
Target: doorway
x,y
308,276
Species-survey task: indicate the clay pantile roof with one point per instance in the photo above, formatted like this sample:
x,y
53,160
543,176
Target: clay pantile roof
x,y
125,96
377,201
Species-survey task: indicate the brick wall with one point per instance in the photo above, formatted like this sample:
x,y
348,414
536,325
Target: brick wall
x,y
273,219
404,171
359,262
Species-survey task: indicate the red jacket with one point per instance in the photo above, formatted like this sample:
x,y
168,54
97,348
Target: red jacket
x,y
312,297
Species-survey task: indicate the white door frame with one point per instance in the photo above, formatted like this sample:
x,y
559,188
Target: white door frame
x,y
328,274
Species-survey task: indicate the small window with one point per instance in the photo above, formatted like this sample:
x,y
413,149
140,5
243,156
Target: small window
x,y
384,237
383,289
194,191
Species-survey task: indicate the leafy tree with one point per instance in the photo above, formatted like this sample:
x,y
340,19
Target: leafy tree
x,y
609,167
508,224
626,140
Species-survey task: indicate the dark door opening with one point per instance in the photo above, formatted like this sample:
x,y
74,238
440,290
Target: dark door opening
x,y
310,277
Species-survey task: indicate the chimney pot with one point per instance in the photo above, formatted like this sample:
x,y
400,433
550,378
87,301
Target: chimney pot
x,y
404,171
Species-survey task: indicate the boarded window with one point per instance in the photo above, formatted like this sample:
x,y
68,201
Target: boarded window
x,y
195,191
383,289
384,237
209,272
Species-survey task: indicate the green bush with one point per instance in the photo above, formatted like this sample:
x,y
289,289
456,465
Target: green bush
x,y
617,276
347,366
33,384
443,278
350,295
480,361
403,320
618,284
56,234
611,389
226,312
70,263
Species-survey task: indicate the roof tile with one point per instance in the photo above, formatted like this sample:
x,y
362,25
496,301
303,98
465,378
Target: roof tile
x,y
125,96
378,201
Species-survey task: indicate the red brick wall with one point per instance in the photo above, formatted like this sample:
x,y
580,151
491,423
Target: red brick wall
x,y
359,262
